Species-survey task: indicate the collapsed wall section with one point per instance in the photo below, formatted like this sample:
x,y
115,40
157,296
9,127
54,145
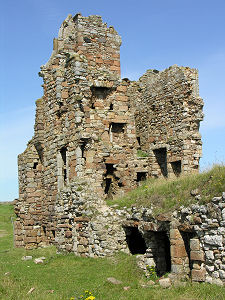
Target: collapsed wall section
x,y
168,113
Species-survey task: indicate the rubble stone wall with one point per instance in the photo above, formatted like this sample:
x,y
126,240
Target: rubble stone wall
x,y
168,113
96,137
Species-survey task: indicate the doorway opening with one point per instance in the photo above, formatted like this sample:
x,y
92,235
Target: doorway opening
x,y
135,240
161,158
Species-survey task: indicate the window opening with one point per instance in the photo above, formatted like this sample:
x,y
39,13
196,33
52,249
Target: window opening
x,y
44,229
135,240
53,233
62,109
176,166
35,165
141,176
111,106
109,169
117,127
63,157
81,107
161,158
87,40
108,182
139,140
40,151
111,183
83,145
100,92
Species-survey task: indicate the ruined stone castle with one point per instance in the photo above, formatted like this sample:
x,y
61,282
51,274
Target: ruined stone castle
x,y
96,137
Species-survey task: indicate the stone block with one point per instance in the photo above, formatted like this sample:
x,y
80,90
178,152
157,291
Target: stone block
x,y
216,240
177,269
209,254
198,275
175,234
197,255
81,249
194,244
165,283
121,88
178,251
65,94
30,239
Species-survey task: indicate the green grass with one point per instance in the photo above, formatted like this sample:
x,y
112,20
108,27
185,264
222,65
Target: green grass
x,y
165,194
141,153
68,275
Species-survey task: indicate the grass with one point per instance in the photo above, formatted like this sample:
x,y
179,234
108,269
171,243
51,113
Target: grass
x,y
141,153
166,195
64,276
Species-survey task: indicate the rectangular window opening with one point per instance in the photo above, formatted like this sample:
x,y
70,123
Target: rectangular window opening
x,y
161,158
109,169
139,140
99,92
83,146
63,164
35,165
141,176
117,127
107,183
176,166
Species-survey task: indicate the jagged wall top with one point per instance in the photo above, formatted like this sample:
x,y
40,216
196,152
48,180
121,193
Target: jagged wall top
x,y
90,37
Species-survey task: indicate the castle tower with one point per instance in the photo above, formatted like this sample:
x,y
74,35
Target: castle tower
x,y
91,131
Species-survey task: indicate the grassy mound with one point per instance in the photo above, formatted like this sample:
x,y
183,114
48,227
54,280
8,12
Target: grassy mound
x,y
166,195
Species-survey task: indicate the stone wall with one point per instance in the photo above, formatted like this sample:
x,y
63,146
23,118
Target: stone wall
x,y
168,113
96,137
189,243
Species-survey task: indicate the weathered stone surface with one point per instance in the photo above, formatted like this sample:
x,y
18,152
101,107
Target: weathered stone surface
x,y
165,283
197,255
194,244
98,136
114,280
216,240
28,257
38,261
198,275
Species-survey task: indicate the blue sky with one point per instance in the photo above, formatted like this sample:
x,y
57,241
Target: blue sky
x,y
155,33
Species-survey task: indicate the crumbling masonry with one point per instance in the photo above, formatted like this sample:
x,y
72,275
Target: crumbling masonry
x,y
96,136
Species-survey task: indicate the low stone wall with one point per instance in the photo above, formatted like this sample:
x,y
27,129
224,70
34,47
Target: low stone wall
x,y
187,243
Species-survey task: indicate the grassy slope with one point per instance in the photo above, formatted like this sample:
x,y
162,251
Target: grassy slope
x,y
165,194
68,275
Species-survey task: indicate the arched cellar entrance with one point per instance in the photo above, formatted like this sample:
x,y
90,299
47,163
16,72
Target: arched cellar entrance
x,y
135,240
154,245
158,249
